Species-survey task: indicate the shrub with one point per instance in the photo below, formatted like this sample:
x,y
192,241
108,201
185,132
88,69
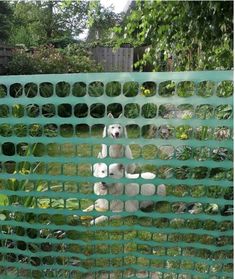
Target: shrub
x,y
50,60
22,63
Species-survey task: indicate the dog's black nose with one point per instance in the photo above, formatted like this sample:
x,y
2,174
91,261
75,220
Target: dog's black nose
x,y
116,134
104,184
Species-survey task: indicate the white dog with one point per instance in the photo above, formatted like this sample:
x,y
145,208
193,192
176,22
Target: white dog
x,y
116,171
116,131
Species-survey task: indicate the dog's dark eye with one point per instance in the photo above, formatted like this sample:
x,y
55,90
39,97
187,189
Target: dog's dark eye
x,y
119,127
112,127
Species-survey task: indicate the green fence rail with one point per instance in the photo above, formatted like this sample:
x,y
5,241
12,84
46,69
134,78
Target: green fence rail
x,y
166,209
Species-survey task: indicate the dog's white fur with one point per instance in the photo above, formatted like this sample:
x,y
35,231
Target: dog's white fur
x,y
116,131
116,171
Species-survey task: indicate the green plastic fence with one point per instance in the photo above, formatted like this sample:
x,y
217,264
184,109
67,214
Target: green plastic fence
x,y
179,127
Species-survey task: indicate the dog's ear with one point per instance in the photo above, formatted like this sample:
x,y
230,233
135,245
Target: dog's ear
x,y
94,168
120,115
99,155
121,167
110,115
104,132
125,132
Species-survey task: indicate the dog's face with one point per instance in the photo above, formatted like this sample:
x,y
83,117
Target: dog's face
x,y
115,170
115,131
100,170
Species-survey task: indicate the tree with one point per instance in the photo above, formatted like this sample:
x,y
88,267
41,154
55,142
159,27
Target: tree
x,y
101,21
198,34
72,16
28,27
55,22
5,20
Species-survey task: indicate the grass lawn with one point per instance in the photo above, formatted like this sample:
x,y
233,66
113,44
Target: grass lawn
x,y
148,241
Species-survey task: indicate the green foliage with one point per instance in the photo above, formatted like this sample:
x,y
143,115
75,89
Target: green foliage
x,y
47,59
61,22
21,63
149,110
3,201
5,20
199,34
71,16
130,89
101,22
132,110
55,22
28,24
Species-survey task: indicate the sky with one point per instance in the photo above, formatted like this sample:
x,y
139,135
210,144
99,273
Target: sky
x,y
118,4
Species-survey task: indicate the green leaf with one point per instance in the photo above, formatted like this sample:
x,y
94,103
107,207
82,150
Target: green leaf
x,y
4,200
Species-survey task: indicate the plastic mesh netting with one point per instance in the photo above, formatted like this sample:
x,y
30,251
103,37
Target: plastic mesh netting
x,y
162,164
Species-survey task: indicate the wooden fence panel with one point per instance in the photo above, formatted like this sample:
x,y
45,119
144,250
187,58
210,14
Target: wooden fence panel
x,y
118,60
5,55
